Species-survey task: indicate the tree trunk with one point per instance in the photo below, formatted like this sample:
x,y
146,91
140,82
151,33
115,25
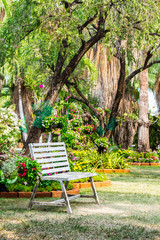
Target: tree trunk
x,y
143,131
22,97
33,137
119,95
108,74
2,14
126,130
157,90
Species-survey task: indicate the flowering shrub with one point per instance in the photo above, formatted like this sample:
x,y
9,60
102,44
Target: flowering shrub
x,y
88,129
70,138
102,142
75,109
75,122
28,171
134,156
9,129
8,172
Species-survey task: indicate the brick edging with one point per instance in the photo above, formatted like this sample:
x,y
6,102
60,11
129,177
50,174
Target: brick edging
x,y
144,164
88,184
113,170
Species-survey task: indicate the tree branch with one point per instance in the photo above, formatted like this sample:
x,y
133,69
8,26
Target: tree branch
x,y
134,73
84,100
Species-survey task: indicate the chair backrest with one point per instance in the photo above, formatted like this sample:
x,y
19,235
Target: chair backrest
x,y
51,156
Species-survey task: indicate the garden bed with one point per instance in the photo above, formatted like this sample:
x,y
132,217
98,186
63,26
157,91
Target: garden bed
x,y
144,164
112,170
58,193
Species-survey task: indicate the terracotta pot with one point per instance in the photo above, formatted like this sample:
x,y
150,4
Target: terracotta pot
x,y
58,193
8,194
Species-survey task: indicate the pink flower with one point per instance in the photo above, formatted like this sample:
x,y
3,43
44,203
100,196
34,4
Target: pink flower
x,y
66,99
32,158
25,183
23,164
56,115
49,174
37,177
41,86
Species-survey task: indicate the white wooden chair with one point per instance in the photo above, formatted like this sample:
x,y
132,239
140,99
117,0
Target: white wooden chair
x,y
55,166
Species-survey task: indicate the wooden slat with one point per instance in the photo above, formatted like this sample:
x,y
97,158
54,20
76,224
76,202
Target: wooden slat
x,y
55,170
55,159
68,176
48,149
48,144
52,165
56,202
51,154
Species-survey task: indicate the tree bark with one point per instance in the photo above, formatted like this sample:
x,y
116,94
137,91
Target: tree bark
x,y
126,130
143,131
119,95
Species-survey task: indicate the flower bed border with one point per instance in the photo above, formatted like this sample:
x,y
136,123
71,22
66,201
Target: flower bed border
x,y
88,184
113,170
144,164
75,190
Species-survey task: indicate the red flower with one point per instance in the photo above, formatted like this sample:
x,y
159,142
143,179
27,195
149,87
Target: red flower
x,y
23,164
34,168
24,174
20,175
24,170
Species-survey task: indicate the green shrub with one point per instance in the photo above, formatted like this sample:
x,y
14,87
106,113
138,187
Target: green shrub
x,y
91,160
101,177
9,129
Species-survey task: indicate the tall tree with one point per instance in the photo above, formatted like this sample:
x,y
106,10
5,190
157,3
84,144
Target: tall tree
x,y
143,131
62,32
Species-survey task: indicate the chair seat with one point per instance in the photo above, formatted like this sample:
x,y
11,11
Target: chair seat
x,y
68,176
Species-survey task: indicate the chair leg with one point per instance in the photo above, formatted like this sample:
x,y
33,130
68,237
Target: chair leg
x,y
33,195
66,185
65,196
94,190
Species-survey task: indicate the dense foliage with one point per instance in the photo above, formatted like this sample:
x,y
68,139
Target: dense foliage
x,y
9,129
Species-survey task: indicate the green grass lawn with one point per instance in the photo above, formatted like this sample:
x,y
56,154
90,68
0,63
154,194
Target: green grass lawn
x,y
129,209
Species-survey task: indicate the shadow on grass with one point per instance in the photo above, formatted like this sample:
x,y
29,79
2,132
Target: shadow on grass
x,y
78,228
138,174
